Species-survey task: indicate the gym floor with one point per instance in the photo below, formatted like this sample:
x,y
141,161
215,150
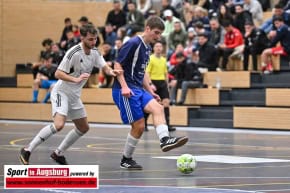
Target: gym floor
x,y
228,160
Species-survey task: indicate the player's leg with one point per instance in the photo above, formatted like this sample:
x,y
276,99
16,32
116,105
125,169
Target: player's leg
x,y
36,83
166,142
78,115
131,112
42,136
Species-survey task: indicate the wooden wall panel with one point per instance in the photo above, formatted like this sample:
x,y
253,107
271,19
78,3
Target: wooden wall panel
x,y
229,79
96,113
26,23
201,96
278,97
262,117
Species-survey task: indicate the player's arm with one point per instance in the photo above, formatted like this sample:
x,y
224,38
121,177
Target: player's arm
x,y
109,71
126,91
147,85
59,74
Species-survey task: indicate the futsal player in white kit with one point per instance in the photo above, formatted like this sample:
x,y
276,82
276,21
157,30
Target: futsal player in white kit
x,y
73,73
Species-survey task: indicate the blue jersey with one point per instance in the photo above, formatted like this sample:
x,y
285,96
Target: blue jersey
x,y
133,57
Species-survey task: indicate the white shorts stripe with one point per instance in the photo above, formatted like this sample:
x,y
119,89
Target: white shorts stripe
x,y
128,109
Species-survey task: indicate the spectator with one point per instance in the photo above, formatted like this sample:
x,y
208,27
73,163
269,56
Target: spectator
x,y
116,17
269,27
217,33
177,36
224,14
144,6
255,42
233,39
84,21
200,15
191,41
57,54
70,42
44,79
110,35
241,17
135,19
76,31
67,26
109,56
157,71
206,53
166,6
255,8
283,36
169,23
47,45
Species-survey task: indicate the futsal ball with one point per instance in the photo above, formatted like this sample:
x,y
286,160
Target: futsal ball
x,y
186,163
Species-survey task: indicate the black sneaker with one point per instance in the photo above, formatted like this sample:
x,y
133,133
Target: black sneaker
x,y
170,128
58,159
169,143
130,164
24,156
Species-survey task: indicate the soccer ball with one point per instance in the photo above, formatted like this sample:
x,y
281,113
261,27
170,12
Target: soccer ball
x,y
186,163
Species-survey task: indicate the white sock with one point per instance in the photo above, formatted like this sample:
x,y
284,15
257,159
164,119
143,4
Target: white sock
x,y
69,139
130,146
42,135
162,131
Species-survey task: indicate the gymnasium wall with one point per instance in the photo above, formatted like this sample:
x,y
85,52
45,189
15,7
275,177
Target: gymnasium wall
x,y
25,23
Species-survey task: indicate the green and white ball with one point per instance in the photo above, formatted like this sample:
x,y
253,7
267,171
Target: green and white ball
x,y
186,163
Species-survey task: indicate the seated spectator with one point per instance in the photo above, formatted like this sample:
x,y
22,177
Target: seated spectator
x,y
199,15
110,35
268,26
255,42
224,14
177,36
255,8
233,39
134,18
70,42
44,79
241,17
47,45
186,76
283,36
116,17
191,40
217,33
76,31
144,6
67,26
206,53
109,56
166,6
57,54
169,23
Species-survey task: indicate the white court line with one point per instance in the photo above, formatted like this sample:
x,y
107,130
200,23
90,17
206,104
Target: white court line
x,y
228,159
199,129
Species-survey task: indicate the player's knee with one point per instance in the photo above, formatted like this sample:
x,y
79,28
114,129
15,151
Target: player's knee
x,y
83,130
59,126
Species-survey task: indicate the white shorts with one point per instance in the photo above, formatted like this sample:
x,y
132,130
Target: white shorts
x,y
62,104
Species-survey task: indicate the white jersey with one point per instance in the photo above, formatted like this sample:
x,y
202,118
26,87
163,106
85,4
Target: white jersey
x,y
75,63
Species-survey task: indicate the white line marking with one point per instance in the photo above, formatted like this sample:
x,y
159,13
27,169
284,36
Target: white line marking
x,y
228,159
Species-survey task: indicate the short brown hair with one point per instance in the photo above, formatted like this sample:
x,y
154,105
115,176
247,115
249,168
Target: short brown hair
x,y
155,22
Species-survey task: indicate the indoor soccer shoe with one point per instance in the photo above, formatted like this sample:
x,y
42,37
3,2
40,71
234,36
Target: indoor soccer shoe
x,y
169,143
130,164
24,156
58,159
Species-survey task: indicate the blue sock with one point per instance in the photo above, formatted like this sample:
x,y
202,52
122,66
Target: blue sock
x,y
35,96
47,96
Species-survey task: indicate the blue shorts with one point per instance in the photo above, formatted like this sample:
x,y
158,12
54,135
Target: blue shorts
x,y
131,109
47,83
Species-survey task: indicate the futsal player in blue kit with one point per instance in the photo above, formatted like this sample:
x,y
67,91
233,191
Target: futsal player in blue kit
x,y
133,94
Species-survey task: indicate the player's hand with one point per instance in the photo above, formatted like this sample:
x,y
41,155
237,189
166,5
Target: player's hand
x,y
127,92
83,76
153,87
156,96
115,72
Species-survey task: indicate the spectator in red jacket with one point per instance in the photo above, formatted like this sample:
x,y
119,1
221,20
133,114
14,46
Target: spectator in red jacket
x,y
233,39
